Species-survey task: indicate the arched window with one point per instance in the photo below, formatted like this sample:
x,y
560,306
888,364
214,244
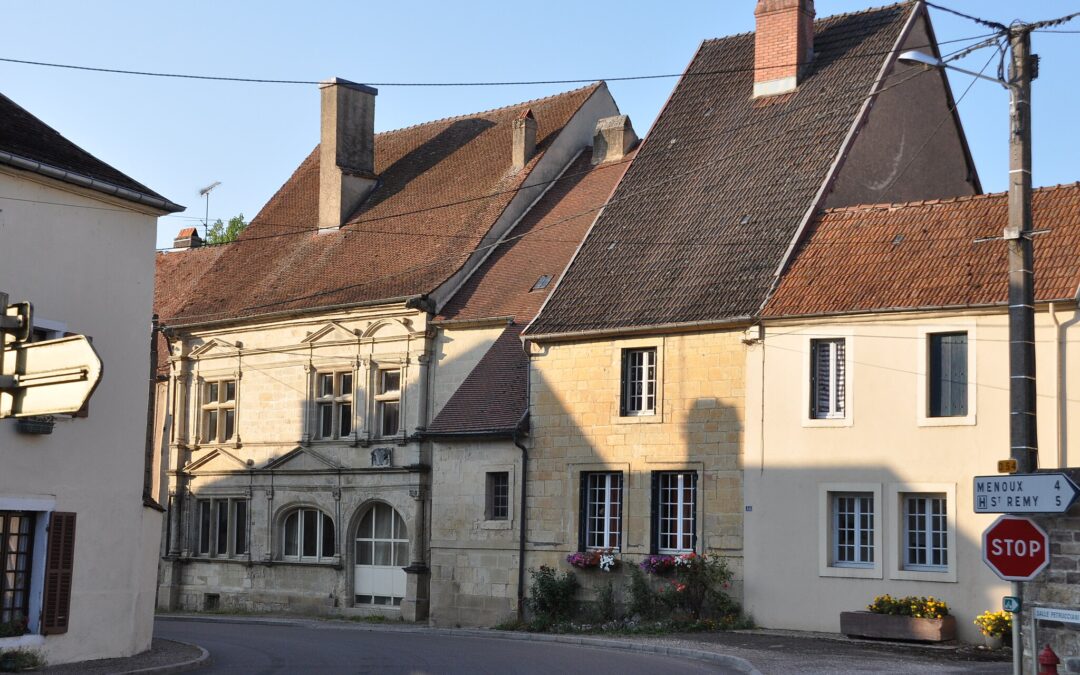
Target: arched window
x,y
382,551
308,534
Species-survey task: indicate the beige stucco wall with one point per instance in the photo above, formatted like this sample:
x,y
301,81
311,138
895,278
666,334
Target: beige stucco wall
x,y
88,263
888,445
574,393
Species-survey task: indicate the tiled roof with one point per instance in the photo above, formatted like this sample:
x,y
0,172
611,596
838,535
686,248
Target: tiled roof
x,y
494,396
402,241
176,275
703,217
27,137
540,245
925,254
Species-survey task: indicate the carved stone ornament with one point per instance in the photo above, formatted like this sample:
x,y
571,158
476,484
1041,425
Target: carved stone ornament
x,y
381,456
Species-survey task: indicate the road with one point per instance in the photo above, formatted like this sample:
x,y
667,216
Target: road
x,y
262,649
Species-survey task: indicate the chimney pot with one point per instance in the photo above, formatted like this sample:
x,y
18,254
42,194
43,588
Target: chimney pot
x,y
187,238
524,143
783,44
614,138
346,149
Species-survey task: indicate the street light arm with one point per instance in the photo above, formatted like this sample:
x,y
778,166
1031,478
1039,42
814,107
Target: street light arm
x,y
917,58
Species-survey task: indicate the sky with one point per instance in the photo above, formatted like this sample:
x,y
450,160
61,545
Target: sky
x,y
177,136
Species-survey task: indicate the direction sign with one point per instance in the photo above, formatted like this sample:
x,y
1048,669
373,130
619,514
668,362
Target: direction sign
x,y
1011,604
1016,548
1025,493
53,377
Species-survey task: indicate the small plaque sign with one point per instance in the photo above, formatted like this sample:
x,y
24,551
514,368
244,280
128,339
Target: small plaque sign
x,y
1007,466
1010,603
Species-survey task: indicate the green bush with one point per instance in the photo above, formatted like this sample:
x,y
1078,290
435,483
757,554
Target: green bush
x,y
18,660
13,628
553,595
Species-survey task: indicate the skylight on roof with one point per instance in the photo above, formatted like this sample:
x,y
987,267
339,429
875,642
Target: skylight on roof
x,y
541,283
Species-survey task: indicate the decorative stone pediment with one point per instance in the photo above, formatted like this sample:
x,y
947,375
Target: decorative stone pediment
x,y
214,345
387,328
216,461
302,459
331,332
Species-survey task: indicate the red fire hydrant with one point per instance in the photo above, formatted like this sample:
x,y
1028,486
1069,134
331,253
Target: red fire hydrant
x,y
1048,661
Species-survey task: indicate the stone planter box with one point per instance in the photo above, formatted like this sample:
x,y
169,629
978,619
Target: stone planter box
x,y
891,627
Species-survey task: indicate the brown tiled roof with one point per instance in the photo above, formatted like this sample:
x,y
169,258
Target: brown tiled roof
x,y
703,217
402,241
494,396
924,254
540,245
25,136
176,275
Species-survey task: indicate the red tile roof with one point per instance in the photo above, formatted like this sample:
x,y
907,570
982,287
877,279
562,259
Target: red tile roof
x,y
176,275
704,216
926,255
432,207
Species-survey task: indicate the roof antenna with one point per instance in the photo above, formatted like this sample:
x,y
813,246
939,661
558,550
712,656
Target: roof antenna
x,y
205,192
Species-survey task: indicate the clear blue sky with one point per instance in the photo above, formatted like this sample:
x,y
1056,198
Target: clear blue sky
x,y
178,135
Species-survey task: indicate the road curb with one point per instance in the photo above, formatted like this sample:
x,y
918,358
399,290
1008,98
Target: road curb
x,y
200,661
733,662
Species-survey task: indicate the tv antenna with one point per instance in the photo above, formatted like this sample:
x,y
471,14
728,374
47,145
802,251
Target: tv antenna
x,y
205,192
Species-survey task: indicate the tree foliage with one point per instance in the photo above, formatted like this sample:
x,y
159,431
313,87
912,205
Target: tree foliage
x,y
223,233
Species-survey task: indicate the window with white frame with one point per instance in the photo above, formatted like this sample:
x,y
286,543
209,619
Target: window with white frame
x,y
638,382
308,535
16,551
222,527
852,529
388,401
219,411
497,495
601,512
334,403
674,511
948,380
828,378
926,532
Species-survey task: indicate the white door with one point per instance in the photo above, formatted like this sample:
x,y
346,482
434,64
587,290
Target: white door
x,y
382,550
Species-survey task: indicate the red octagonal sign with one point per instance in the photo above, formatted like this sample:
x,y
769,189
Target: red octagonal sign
x,y
1016,548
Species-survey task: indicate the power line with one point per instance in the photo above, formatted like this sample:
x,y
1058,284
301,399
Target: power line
x,y
259,80
985,22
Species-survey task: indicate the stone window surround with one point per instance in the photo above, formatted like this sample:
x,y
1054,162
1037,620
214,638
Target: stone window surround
x,y
922,377
201,380
848,419
826,568
894,501
508,523
337,400
42,505
195,525
620,346
282,521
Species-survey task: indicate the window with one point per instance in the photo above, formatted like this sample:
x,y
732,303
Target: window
x,y
852,529
926,532
541,283
498,496
219,411
948,374
16,547
674,511
638,382
388,402
334,402
222,527
828,378
308,535
601,510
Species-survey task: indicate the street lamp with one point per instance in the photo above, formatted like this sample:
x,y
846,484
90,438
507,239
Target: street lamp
x,y
915,58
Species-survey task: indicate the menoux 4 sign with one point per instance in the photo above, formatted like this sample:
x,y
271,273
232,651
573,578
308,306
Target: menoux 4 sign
x,y
1016,548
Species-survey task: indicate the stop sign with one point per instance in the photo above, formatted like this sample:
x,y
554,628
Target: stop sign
x,y
1016,548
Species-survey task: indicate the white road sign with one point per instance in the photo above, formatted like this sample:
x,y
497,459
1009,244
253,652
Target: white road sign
x,y
1057,614
49,378
1024,493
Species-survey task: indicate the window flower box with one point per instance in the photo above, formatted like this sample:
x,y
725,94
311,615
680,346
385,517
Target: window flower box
x,y
39,424
897,627
604,559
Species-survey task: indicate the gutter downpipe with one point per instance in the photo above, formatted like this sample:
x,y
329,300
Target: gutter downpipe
x,y
522,516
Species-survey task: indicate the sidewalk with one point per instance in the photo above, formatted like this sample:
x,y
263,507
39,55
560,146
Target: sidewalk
x,y
164,656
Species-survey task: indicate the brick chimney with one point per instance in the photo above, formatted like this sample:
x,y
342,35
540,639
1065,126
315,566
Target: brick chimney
x,y
524,139
346,149
614,138
784,38
187,238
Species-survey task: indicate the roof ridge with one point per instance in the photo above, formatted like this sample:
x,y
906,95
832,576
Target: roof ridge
x,y
892,206
842,15
531,102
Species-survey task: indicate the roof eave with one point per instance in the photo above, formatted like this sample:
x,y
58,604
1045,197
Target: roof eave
x,y
494,433
72,178
982,307
685,326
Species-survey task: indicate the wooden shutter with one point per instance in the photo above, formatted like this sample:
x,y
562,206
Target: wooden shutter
x,y
820,365
654,515
59,563
697,508
624,384
583,510
840,365
948,375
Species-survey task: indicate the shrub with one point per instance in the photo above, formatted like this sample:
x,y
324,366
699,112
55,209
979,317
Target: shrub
x,y
919,607
697,587
644,601
13,628
553,594
994,624
605,603
18,660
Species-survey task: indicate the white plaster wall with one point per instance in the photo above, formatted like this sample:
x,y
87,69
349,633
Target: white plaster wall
x,y
89,265
884,444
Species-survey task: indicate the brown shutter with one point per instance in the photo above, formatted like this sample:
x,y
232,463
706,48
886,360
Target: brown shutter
x,y
58,571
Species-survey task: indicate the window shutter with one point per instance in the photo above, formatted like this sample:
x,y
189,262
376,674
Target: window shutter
x,y
821,378
841,376
624,385
58,571
654,515
697,506
583,510
937,386
958,373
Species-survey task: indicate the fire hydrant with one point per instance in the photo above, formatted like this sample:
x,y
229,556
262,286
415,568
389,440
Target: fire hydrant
x,y
1048,661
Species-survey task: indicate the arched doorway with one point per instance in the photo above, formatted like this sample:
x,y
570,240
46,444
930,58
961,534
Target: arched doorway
x,y
381,552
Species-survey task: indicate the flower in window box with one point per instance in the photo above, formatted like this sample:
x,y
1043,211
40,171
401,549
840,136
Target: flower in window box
x,y
608,561
584,559
657,564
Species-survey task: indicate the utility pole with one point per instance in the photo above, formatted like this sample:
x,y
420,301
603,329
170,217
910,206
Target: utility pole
x,y
1023,434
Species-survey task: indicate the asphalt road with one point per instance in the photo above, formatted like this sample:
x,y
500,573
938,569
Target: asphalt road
x,y
262,649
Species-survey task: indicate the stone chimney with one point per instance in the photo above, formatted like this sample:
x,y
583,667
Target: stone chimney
x,y
187,238
524,139
614,138
346,149
784,38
